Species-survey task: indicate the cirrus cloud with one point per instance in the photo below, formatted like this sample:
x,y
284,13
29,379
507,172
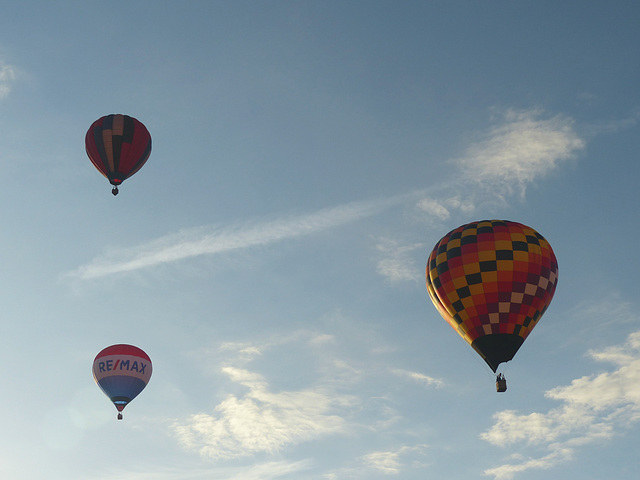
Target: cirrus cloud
x,y
260,420
524,148
8,76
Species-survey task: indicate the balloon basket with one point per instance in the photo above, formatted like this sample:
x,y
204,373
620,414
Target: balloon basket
x,y
501,385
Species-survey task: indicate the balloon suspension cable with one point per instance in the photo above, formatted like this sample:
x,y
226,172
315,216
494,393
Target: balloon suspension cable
x,y
114,190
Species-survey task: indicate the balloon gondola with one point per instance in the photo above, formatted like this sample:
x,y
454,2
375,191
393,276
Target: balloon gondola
x,y
122,372
492,280
118,146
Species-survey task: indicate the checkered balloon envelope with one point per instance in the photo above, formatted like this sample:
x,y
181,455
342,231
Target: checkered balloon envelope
x,y
492,280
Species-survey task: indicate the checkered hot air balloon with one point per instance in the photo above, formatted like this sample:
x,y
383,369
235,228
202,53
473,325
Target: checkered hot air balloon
x,y
122,371
492,280
118,146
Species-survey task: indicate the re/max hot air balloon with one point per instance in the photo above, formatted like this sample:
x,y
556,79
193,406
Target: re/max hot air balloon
x,y
122,371
491,281
118,146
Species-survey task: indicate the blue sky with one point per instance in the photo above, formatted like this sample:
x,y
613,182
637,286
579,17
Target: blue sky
x,y
270,255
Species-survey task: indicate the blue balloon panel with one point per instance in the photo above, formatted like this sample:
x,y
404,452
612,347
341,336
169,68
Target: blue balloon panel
x,y
121,389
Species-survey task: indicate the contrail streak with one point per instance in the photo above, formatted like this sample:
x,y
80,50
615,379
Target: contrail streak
x,y
196,242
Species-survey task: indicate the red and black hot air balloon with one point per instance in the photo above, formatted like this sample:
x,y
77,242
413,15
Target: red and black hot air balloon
x,y
491,281
118,146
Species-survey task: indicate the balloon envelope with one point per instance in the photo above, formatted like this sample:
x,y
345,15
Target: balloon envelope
x,y
122,371
118,146
491,281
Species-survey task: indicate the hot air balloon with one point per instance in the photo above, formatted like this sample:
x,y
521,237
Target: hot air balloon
x,y
122,371
118,146
492,280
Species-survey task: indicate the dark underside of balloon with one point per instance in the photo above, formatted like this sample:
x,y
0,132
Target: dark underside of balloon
x,y
497,348
115,182
120,402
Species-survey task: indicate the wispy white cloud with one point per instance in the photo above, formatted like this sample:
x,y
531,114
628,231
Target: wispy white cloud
x,y
520,148
270,470
259,419
546,462
434,208
592,408
158,471
8,75
614,125
396,263
395,461
518,151
441,209
609,309
200,241
419,377
391,462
